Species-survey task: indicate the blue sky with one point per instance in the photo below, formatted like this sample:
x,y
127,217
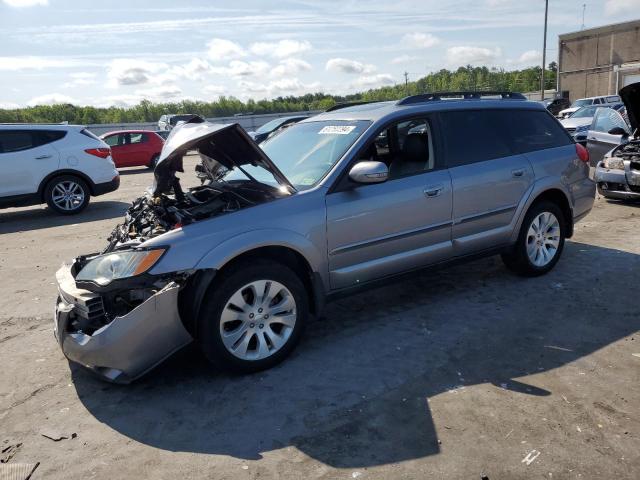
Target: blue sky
x,y
119,52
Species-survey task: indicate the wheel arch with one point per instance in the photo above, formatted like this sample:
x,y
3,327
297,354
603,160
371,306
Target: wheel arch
x,y
192,296
557,196
59,173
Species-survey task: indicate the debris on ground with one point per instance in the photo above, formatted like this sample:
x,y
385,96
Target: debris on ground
x,y
57,436
17,471
531,456
8,452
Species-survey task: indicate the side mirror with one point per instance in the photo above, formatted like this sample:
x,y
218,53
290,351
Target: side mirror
x,y
618,131
369,172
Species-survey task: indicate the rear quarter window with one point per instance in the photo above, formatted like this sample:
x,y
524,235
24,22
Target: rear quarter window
x,y
15,141
532,130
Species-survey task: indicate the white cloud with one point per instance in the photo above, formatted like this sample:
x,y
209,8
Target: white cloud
x,y
221,49
344,65
282,87
79,79
194,69
420,40
280,49
15,64
161,93
370,81
614,7
239,68
530,57
464,55
290,66
51,99
404,59
214,89
25,3
498,3
130,71
124,100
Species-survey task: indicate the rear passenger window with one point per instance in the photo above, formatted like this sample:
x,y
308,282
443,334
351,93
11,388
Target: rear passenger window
x,y
532,130
42,137
474,136
138,137
15,141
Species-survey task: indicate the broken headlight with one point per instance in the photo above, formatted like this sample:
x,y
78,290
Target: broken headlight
x,y
614,163
112,266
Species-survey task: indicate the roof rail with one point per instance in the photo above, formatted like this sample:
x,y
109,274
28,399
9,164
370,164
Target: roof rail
x,y
477,95
339,106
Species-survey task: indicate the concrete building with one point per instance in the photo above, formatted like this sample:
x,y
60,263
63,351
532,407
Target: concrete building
x,y
598,61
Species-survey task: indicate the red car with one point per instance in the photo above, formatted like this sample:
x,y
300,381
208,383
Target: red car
x,y
134,148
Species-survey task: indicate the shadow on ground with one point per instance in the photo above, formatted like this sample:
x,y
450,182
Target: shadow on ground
x,y
134,170
355,392
39,217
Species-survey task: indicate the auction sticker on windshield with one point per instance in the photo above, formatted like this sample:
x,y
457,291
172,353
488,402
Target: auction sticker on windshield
x,y
337,130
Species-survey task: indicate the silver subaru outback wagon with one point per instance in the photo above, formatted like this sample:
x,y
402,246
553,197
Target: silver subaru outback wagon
x,y
339,201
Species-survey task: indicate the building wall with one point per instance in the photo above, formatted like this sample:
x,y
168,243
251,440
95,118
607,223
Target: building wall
x,y
589,60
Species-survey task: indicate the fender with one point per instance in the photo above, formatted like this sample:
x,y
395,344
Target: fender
x,y
535,190
226,251
65,171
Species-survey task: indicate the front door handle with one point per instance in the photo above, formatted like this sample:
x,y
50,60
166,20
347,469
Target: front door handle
x,y
518,172
433,191
42,157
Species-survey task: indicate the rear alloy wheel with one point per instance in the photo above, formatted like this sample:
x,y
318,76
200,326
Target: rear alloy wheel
x,y
254,317
540,242
67,194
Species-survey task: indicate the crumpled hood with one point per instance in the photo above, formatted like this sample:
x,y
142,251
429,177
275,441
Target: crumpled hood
x,y
630,95
229,145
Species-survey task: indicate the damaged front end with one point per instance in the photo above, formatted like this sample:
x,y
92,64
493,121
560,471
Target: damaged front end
x,y
115,317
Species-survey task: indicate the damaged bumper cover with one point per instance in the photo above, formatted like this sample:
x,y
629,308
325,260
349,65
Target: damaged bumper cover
x,y
126,346
617,183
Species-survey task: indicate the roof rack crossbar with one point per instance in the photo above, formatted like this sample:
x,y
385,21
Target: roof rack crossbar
x,y
476,95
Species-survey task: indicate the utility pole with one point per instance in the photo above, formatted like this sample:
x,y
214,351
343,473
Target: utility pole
x,y
406,82
544,48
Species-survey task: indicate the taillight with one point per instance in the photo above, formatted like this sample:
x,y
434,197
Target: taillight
x,y
99,152
583,153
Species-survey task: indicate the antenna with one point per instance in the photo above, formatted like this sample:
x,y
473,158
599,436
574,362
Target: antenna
x,y
584,7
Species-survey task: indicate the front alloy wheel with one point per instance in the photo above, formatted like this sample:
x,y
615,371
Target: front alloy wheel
x,y
253,316
258,320
67,194
543,239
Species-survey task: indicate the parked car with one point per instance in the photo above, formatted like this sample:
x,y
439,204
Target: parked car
x,y
134,148
583,102
579,121
241,262
167,122
164,134
274,126
614,138
555,105
60,165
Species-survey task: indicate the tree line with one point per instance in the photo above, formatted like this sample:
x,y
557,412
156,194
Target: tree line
x,y
464,78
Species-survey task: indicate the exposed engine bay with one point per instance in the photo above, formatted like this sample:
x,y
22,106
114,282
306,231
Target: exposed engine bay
x,y
150,216
629,151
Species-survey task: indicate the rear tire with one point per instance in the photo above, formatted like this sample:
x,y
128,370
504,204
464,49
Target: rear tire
x,y
253,317
67,194
540,242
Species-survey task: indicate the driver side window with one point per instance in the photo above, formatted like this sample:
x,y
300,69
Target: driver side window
x,y
606,119
405,147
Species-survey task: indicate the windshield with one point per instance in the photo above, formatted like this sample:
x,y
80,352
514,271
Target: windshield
x,y
305,152
584,112
582,103
273,124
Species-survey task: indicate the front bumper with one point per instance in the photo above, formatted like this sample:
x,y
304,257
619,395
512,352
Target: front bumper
x,y
129,345
618,184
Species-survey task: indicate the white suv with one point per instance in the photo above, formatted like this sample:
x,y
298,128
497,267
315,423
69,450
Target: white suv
x,y
583,102
61,165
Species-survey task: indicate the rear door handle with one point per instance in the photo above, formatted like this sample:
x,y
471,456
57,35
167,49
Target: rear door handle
x,y
42,157
517,173
433,191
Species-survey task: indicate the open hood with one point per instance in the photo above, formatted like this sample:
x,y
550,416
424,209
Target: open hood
x,y
229,145
630,95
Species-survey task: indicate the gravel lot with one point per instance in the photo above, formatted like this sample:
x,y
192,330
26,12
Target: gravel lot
x,y
455,374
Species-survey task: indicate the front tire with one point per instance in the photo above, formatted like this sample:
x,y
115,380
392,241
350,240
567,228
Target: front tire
x,y
540,242
67,194
253,317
